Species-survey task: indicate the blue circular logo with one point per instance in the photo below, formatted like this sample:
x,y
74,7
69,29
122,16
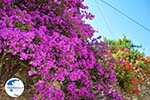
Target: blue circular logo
x,y
14,87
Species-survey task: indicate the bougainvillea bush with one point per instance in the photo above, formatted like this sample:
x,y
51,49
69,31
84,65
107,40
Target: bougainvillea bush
x,y
51,38
133,67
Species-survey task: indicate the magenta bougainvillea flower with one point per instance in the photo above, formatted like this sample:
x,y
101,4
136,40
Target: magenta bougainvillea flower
x,y
53,38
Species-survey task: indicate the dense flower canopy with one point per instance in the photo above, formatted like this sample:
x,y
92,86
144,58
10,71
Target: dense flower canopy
x,y
51,36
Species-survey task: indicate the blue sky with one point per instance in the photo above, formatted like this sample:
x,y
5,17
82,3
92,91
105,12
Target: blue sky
x,y
112,24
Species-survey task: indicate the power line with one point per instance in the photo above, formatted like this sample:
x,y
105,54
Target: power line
x,y
126,15
107,25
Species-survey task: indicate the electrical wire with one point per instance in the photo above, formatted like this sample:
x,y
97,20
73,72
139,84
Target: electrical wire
x,y
107,25
125,15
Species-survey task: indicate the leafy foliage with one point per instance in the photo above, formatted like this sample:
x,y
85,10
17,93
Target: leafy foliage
x,y
132,66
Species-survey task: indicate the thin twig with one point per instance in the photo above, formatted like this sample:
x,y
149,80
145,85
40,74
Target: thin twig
x,y
21,63
4,54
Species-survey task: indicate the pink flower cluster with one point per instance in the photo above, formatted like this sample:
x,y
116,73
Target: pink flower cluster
x,y
52,37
